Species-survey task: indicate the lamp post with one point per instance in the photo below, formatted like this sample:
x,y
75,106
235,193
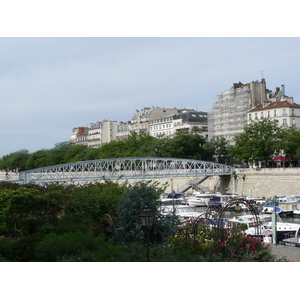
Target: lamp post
x,y
147,218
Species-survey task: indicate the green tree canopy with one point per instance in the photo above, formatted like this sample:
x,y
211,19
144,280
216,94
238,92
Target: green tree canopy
x,y
258,142
128,226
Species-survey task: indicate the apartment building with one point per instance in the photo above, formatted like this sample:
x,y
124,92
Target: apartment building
x,y
155,120
192,120
168,125
228,115
79,135
101,133
285,111
123,130
141,119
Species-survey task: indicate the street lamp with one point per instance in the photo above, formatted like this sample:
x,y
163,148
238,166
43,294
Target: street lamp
x,y
147,218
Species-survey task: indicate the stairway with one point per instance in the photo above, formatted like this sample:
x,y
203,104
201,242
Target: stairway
x,y
191,183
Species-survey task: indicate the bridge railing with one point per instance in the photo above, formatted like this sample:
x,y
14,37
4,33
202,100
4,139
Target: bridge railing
x,y
126,168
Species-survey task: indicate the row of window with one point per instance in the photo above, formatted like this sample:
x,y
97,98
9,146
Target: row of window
x,y
164,126
275,114
161,120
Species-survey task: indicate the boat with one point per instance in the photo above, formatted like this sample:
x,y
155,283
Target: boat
x,y
173,198
259,201
270,205
220,200
265,230
198,199
282,228
292,240
256,226
296,213
183,212
282,205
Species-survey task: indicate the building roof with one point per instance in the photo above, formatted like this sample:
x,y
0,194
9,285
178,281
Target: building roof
x,y
275,104
194,116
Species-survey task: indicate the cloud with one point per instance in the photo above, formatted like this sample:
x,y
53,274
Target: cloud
x,y
50,85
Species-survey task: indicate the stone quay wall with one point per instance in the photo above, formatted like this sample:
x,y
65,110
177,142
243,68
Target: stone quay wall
x,y
266,182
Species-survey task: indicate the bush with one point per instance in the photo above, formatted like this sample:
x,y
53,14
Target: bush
x,y
54,245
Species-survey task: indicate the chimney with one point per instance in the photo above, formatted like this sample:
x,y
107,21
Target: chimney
x,y
282,90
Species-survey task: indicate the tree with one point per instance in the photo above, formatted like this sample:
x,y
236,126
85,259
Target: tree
x,y
94,200
258,142
25,208
290,141
187,144
217,147
75,153
57,154
15,160
128,226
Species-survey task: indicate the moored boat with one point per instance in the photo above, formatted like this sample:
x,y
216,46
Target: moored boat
x,y
292,240
198,199
183,212
256,226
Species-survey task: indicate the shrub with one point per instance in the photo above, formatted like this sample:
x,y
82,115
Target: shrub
x,y
54,245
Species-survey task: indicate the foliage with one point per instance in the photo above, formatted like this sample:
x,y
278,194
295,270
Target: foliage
x,y
70,243
128,227
187,144
184,144
290,141
218,148
15,160
93,200
258,142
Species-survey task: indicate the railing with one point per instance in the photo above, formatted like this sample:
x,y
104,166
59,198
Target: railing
x,y
126,168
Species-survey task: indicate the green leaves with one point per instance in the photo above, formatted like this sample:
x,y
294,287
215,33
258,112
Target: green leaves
x,y
258,142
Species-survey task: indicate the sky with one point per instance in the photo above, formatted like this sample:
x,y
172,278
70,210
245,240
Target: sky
x,y
51,82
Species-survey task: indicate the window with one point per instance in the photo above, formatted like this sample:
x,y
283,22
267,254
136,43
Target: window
x,y
255,115
293,122
269,114
262,115
275,113
250,118
284,112
284,123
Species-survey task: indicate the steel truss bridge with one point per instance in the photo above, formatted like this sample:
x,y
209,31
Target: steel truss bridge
x,y
124,168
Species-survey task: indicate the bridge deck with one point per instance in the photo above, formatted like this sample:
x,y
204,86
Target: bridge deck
x,y
127,168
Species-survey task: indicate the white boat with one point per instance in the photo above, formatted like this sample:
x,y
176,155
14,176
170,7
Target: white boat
x,y
292,240
283,207
169,199
251,225
184,212
221,199
296,213
198,199
283,228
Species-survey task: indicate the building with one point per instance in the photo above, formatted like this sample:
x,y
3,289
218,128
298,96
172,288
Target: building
x,y
79,135
101,133
196,120
160,126
123,130
285,111
228,115
141,120
168,125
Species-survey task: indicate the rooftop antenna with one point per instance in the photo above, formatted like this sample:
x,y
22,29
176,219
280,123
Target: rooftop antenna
x,y
262,74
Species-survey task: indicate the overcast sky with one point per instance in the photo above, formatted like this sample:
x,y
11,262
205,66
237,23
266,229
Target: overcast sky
x,y
51,84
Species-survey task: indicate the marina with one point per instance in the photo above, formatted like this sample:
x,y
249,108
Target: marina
x,y
266,220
